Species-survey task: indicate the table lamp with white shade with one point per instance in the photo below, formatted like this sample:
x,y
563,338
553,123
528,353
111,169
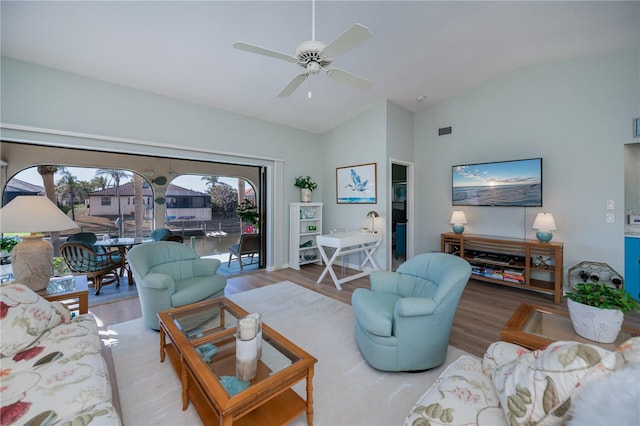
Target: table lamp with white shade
x,y
544,223
458,220
31,259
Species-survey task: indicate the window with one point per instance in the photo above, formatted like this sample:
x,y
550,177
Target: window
x,y
105,201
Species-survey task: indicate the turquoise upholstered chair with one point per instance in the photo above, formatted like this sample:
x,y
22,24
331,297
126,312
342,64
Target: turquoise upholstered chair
x,y
169,275
403,322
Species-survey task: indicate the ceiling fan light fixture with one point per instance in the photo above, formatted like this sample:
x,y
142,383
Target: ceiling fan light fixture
x,y
315,55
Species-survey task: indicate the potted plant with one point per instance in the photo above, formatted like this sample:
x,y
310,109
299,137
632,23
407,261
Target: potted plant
x,y
597,310
7,244
306,185
248,212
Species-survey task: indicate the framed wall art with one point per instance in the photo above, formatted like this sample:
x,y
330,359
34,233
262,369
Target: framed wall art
x,y
356,184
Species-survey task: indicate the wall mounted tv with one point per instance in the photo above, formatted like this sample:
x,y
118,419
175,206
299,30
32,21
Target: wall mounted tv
x,y
516,183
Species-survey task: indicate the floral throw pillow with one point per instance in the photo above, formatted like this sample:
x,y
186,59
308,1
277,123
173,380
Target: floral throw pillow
x,y
24,316
538,387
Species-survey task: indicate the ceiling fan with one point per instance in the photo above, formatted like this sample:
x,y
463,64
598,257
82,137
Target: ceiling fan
x,y
315,55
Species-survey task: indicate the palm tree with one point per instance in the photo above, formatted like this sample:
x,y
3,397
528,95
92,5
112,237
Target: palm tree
x,y
69,186
138,203
211,181
100,182
116,175
47,173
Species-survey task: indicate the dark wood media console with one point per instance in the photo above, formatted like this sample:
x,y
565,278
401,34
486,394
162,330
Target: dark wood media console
x,y
527,264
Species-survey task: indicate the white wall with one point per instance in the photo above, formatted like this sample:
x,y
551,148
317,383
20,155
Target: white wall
x,y
575,114
360,140
44,98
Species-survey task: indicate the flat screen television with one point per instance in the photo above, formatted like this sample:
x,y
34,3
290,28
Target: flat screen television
x,y
516,183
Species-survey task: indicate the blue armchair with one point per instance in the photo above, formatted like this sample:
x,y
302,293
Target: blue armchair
x,y
403,322
169,275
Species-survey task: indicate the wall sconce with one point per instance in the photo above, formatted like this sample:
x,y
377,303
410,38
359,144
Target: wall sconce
x,y
458,220
373,214
544,223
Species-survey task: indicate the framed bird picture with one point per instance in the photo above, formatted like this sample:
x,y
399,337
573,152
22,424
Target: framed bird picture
x,y
356,184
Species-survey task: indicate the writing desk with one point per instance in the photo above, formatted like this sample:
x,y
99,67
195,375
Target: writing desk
x,y
347,243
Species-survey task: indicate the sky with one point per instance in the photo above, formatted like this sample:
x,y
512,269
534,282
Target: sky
x,y
499,173
192,182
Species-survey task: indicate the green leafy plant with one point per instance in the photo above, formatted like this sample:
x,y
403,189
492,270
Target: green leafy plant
x,y
248,212
8,243
603,297
60,268
305,182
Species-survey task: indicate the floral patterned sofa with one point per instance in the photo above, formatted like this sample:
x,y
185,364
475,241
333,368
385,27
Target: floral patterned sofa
x,y
51,366
512,385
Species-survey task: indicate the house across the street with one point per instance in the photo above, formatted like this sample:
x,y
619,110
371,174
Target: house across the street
x,y
181,204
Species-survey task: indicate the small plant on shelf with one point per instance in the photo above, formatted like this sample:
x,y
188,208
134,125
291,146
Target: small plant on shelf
x,y
603,297
305,182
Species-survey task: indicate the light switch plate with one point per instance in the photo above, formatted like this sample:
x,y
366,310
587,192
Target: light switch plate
x,y
610,217
611,205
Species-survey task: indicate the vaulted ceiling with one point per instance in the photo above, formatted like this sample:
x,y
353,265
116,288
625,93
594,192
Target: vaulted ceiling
x,y
430,50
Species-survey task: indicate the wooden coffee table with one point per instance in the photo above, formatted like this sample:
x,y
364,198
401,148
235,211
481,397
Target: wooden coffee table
x,y
534,327
268,400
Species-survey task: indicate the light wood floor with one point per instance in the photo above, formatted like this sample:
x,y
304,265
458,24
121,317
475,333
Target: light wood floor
x,y
481,314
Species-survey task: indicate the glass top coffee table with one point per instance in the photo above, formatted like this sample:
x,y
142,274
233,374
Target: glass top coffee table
x,y
534,327
208,378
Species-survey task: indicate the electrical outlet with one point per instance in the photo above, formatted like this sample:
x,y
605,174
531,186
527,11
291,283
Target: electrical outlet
x,y
610,217
611,205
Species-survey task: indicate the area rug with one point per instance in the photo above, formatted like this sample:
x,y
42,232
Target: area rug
x,y
347,391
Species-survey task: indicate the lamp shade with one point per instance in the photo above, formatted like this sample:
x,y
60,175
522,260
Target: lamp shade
x,y
544,222
372,214
31,258
35,214
458,218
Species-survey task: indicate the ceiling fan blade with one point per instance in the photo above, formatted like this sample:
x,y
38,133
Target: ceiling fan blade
x,y
346,41
292,85
349,79
262,51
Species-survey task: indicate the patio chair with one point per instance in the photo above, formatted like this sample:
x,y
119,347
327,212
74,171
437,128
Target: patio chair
x,y
91,239
160,234
248,246
82,259
176,238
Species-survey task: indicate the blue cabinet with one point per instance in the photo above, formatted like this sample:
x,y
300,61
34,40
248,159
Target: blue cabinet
x,y
632,266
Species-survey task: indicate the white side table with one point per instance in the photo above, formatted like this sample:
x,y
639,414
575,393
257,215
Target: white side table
x,y
347,243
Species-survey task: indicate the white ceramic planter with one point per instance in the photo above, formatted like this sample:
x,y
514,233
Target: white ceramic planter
x,y
305,195
599,325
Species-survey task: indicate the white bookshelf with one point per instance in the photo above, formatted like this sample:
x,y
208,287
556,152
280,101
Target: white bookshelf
x,y
305,221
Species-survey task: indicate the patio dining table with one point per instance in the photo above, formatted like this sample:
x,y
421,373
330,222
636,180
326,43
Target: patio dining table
x,y
123,245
